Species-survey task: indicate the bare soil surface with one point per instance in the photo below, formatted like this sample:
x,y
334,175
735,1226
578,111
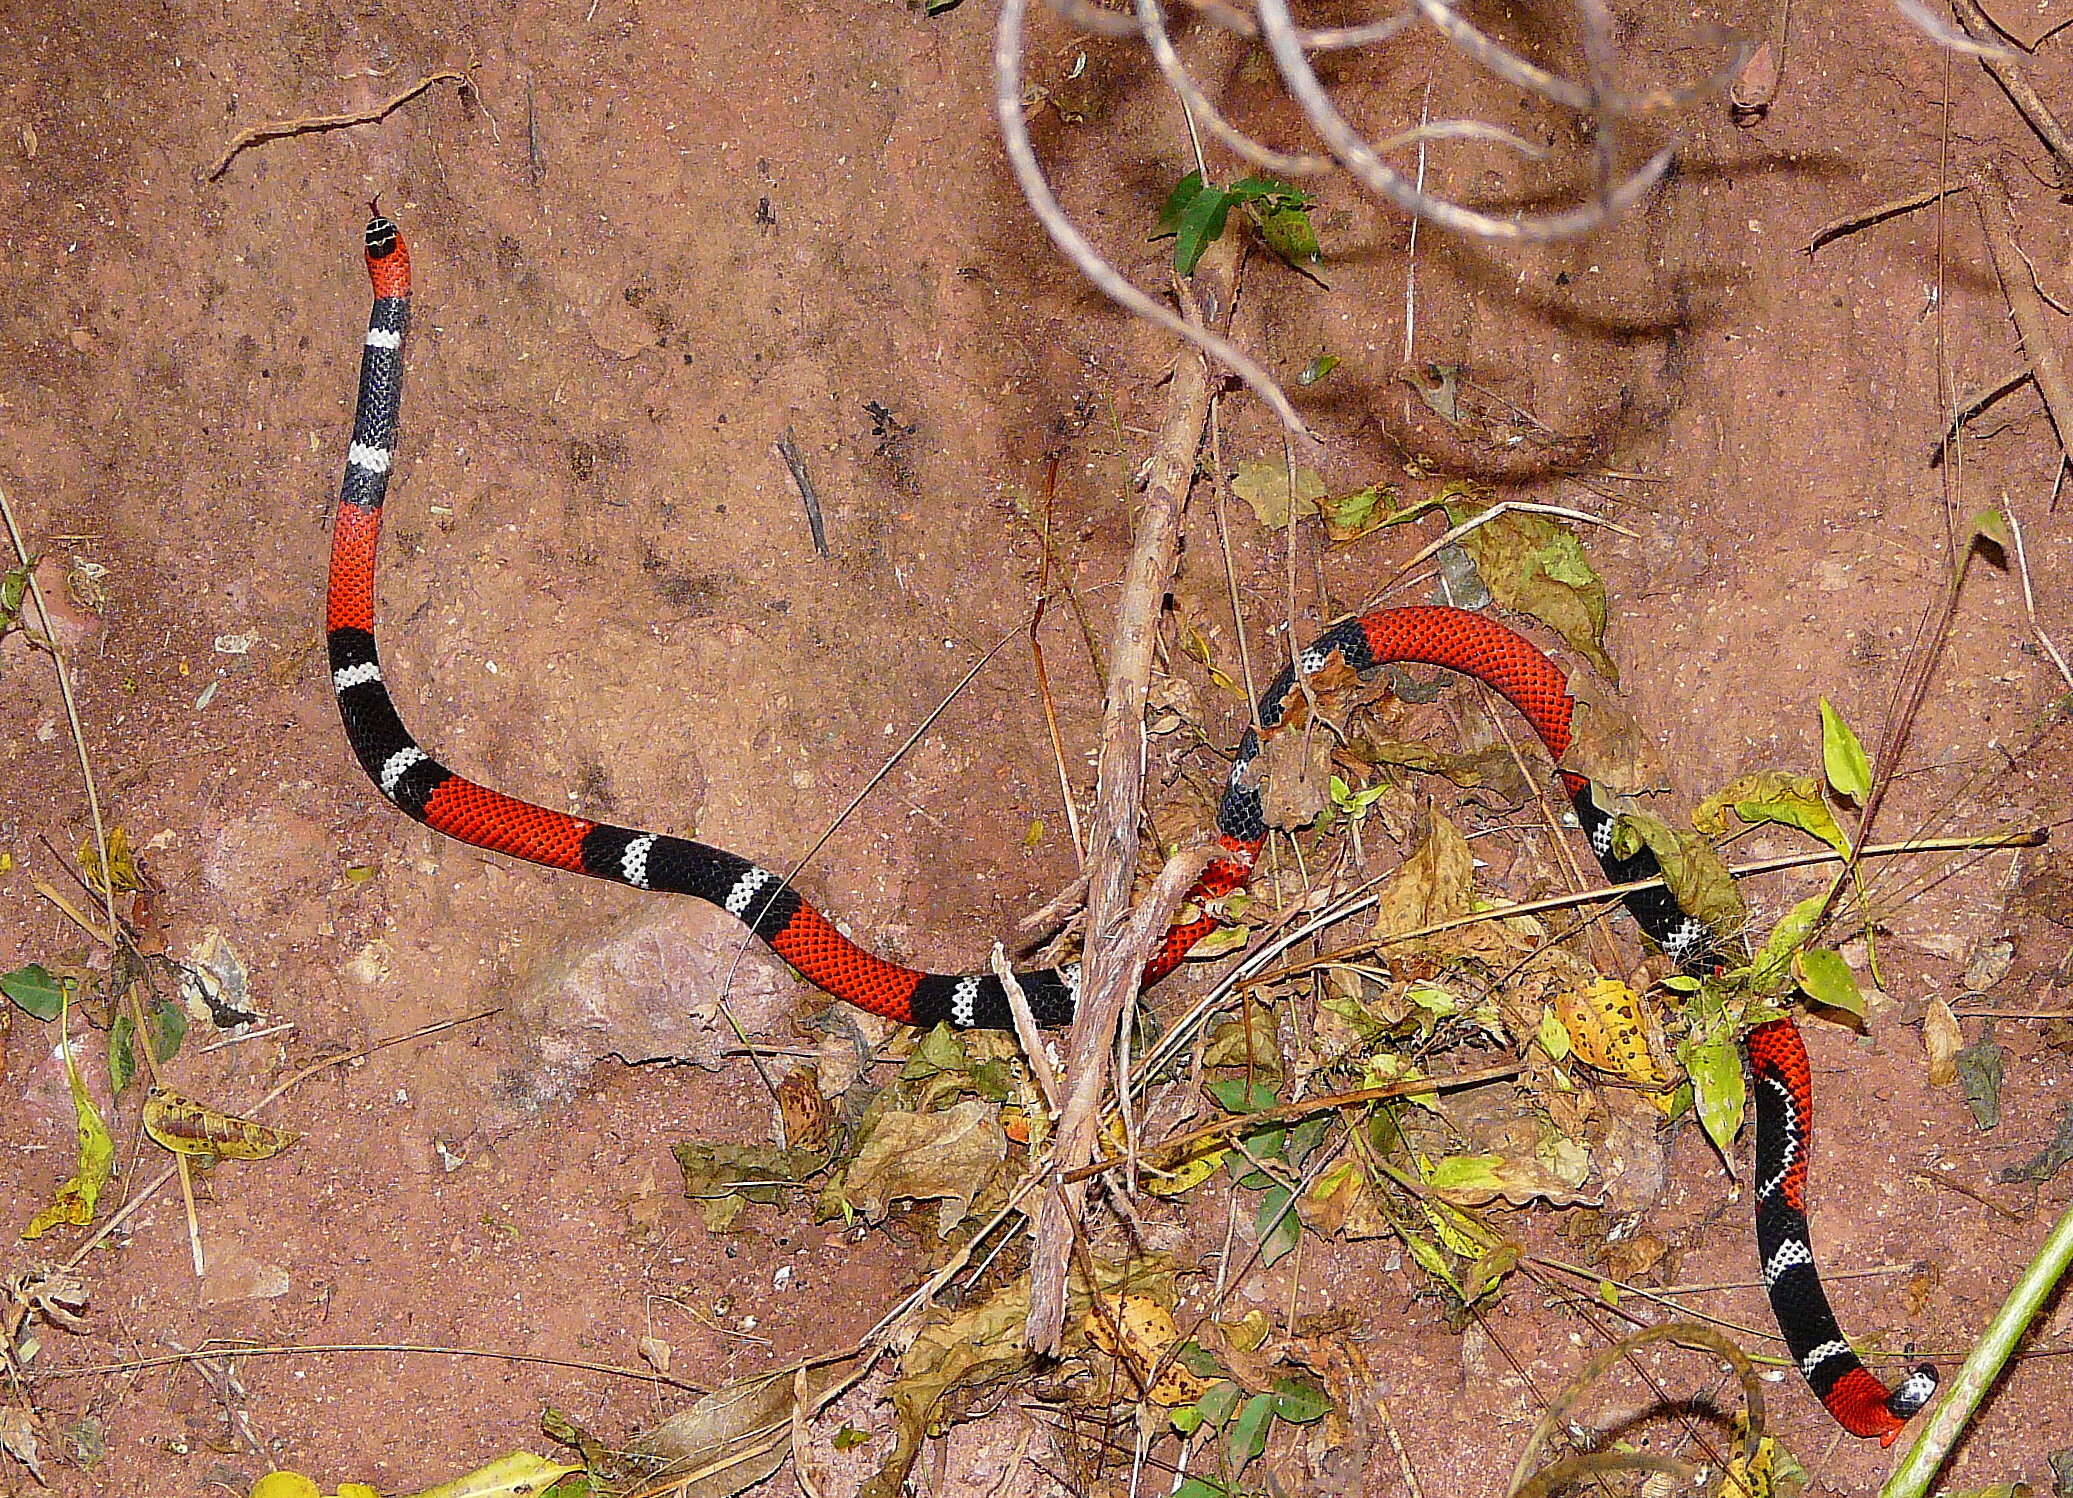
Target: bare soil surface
x,y
650,241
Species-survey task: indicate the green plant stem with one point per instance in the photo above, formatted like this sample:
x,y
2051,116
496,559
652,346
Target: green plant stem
x,y
1982,1366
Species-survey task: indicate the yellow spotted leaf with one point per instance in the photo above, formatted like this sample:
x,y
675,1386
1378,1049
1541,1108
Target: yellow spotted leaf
x,y
187,1127
1146,1330
77,1198
1608,1029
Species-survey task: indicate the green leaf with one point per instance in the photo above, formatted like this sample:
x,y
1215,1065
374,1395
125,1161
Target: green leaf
x,y
849,1438
1196,1487
34,990
1187,1419
1774,962
1248,1434
1240,1096
1289,233
1992,526
1298,1403
166,1023
1219,1400
1276,1226
1827,979
1201,225
1714,1063
1175,207
1843,757
1317,369
122,1052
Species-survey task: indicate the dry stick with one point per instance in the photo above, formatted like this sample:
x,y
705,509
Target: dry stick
x,y
1112,968
1878,213
276,129
1972,404
289,1350
1014,127
2033,109
2022,568
788,449
1990,196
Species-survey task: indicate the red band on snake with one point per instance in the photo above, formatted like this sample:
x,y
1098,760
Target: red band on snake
x,y
1459,641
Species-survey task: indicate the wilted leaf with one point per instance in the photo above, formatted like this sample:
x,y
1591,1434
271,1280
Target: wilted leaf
x,y
1979,1076
1842,756
968,1349
1992,526
1263,483
1288,232
1294,770
1704,888
1476,1180
1775,796
1827,979
122,1053
1436,883
946,1157
1438,385
1348,517
1172,1170
735,1436
1607,745
77,1198
122,864
520,1475
723,1178
1342,1201
187,1127
1941,1042
165,1024
1535,566
18,1439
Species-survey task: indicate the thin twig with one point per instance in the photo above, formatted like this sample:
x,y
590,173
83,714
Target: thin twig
x,y
2024,304
1878,213
321,1349
2035,112
276,129
788,449
2022,568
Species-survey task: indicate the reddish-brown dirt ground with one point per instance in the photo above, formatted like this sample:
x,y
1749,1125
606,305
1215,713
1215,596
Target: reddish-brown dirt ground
x,y
650,239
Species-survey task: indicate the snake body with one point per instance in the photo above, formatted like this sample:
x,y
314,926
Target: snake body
x,y
1469,643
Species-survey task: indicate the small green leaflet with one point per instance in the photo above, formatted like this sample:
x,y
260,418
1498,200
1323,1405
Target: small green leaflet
x,y
1247,1437
1276,1226
1298,1403
1714,1062
1827,979
35,990
1195,214
1842,756
1317,369
122,1052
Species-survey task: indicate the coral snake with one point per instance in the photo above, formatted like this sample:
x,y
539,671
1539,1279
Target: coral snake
x,y
1468,643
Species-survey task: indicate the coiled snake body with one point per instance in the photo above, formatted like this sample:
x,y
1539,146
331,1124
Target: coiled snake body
x,y
1469,643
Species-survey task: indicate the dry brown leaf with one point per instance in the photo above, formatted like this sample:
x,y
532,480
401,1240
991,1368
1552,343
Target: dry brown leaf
x,y
807,1117
1941,1041
18,1438
1434,884
726,1443
1294,770
946,1157
1607,745
187,1127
